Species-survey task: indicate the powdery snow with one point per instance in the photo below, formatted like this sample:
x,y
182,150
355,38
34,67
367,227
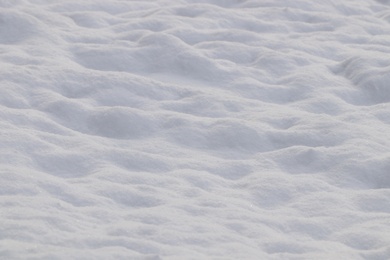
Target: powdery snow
x,y
194,129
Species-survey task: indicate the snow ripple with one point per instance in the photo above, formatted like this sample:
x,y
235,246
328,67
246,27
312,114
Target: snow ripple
x,y
198,129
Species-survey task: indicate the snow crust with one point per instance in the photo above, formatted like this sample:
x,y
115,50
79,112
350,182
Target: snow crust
x,y
194,129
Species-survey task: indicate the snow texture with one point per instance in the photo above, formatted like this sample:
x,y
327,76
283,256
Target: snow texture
x,y
194,129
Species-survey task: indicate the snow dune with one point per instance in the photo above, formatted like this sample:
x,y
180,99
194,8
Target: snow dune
x,y
194,129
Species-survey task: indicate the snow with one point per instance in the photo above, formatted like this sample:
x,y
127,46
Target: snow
x,y
194,129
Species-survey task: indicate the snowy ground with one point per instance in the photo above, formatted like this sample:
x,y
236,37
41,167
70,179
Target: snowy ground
x,y
195,129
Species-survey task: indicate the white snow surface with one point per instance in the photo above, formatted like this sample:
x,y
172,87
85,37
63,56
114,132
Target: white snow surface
x,y
195,129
